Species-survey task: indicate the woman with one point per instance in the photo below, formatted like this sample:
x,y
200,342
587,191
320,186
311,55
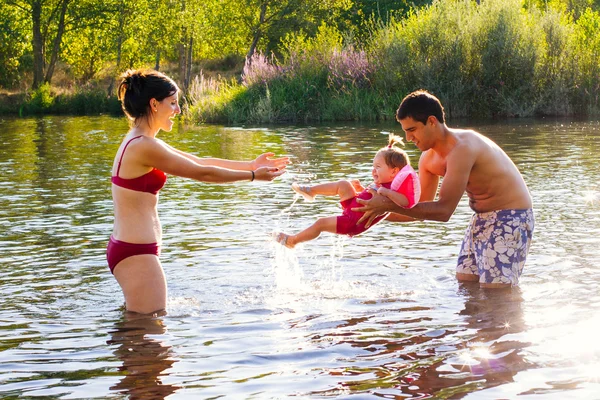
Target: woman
x,y
150,101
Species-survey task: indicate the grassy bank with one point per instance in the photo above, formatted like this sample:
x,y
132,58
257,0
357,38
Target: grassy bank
x,y
499,58
496,59
45,100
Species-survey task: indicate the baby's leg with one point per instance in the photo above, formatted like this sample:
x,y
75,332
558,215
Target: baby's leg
x,y
343,189
328,224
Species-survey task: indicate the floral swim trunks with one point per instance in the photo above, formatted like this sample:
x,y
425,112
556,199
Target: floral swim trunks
x,y
495,246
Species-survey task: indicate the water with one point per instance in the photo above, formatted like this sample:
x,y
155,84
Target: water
x,y
379,315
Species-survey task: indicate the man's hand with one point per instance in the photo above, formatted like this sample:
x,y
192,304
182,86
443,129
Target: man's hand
x,y
378,205
267,160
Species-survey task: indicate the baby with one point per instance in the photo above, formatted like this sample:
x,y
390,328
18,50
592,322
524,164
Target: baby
x,y
393,177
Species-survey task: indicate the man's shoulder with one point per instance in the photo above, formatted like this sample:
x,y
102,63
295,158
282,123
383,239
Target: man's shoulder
x,y
470,141
466,135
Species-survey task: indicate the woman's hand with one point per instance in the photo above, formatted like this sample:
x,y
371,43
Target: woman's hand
x,y
268,173
267,160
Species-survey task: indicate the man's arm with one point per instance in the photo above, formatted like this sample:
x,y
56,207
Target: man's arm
x,y
393,217
458,168
429,183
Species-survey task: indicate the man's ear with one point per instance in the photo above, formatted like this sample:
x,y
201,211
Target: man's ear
x,y
432,120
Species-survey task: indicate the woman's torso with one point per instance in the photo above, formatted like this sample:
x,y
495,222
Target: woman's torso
x,y
135,208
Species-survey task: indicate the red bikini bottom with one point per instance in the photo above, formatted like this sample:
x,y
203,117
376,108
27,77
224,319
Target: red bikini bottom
x,y
117,251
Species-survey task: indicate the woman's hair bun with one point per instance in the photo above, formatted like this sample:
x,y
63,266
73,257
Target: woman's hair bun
x,y
138,87
131,80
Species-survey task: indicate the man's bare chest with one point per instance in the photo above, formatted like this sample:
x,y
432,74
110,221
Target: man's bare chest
x,y
437,165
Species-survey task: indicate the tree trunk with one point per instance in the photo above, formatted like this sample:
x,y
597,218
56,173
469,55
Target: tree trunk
x,y
257,32
119,47
157,60
181,48
255,40
188,64
57,41
38,44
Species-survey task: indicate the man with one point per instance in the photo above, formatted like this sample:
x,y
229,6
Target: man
x,y
497,240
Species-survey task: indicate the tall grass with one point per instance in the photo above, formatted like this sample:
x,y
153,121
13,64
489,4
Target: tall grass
x,y
496,58
81,102
318,78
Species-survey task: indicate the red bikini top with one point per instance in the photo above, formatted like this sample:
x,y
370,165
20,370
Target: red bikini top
x,y
150,182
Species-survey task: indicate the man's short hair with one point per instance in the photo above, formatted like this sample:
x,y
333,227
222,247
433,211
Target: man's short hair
x,y
419,105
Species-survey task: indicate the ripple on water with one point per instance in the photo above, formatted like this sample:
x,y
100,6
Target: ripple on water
x,y
379,315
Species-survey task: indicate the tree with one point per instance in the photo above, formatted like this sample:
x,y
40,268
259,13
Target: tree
x,y
360,17
47,18
271,20
50,20
13,44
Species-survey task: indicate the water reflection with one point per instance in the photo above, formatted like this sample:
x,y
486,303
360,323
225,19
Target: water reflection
x,y
420,360
145,359
494,354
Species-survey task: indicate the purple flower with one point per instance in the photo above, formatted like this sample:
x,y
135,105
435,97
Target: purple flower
x,y
349,68
259,70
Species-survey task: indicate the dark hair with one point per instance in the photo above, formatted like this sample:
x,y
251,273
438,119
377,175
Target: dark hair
x,y
393,156
419,106
137,87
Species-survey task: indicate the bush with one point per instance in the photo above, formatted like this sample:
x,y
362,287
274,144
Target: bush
x,y
586,94
493,59
88,102
84,102
40,101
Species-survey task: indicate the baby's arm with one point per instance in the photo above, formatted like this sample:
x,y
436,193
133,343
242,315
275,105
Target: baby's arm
x,y
357,185
396,197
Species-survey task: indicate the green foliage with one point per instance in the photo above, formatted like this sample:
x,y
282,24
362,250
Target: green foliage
x,y
282,17
574,8
557,76
84,52
496,58
355,104
41,100
320,46
364,14
215,100
586,51
87,102
507,50
332,59
492,59
82,102
13,45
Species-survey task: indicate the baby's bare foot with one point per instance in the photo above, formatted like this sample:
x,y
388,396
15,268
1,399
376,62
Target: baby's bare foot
x,y
304,191
284,240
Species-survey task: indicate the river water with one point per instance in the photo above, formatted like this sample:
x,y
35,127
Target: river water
x,y
376,316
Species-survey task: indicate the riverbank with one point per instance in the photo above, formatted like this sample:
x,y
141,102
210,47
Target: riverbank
x,y
45,101
508,61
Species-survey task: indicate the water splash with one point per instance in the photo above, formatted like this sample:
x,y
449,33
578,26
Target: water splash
x,y
312,272
591,197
